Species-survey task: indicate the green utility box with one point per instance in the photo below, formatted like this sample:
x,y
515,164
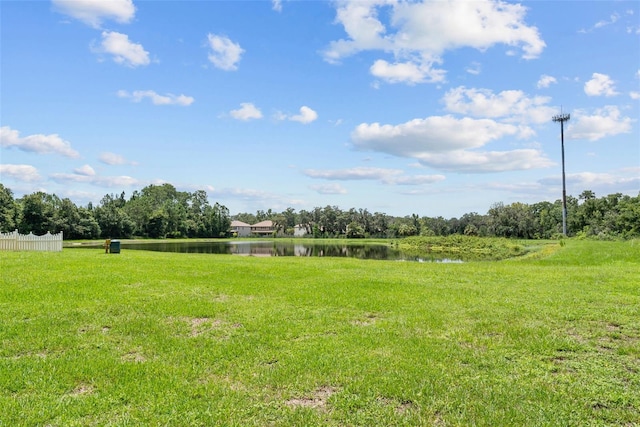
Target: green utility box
x,y
114,247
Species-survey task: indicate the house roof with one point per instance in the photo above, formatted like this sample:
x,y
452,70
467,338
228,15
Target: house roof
x,y
265,223
239,224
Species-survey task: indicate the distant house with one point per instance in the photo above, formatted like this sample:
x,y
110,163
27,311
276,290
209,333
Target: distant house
x,y
299,230
240,229
263,228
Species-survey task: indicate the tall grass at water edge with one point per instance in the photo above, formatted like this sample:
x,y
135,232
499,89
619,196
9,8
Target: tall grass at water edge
x,y
149,338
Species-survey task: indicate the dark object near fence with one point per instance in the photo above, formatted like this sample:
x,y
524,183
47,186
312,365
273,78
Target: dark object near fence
x,y
114,247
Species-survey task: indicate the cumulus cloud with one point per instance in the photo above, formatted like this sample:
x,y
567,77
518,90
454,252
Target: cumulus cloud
x,y
419,33
93,12
224,54
600,85
157,99
604,122
359,173
42,144
546,81
432,134
449,143
123,50
85,170
600,182
113,159
24,173
513,105
305,116
386,176
487,161
416,179
100,181
332,188
247,111
407,72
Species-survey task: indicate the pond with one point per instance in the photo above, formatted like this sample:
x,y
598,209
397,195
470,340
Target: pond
x,y
281,248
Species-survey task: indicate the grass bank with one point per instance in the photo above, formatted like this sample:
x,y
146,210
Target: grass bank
x,y
149,338
468,248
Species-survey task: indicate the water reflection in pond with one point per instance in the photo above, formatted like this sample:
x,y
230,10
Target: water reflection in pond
x,y
287,248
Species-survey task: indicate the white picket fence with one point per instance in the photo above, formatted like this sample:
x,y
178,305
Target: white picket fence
x,y
15,241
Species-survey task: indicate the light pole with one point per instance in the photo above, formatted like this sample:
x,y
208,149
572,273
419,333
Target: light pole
x,y
563,118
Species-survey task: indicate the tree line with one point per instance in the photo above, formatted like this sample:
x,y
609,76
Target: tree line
x,y
161,211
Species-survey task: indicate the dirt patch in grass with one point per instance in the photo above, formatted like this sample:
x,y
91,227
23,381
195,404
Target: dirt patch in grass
x,y
368,320
317,400
198,326
82,389
134,356
221,298
400,406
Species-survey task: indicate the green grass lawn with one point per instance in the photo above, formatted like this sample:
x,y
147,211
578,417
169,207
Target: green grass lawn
x,y
149,338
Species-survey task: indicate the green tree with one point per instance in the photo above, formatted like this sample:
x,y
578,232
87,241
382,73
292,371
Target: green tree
x,y
112,218
37,213
8,210
355,230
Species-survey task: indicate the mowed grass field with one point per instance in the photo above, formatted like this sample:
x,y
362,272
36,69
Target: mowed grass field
x,y
149,338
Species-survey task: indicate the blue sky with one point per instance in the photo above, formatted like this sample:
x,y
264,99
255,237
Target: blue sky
x,y
434,108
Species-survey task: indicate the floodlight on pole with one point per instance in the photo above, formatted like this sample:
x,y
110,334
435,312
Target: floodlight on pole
x,y
563,118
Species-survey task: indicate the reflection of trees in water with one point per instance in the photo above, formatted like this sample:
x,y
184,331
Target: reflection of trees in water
x,y
314,249
275,248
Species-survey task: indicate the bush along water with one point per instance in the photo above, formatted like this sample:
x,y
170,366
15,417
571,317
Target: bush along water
x,y
466,248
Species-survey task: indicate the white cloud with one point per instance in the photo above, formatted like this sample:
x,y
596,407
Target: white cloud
x,y
157,99
25,173
332,188
634,95
513,105
100,181
545,81
600,85
488,161
307,115
113,159
407,72
432,134
359,173
85,170
448,143
256,199
605,122
123,50
420,32
224,54
612,20
93,12
416,179
386,176
602,182
475,68
42,144
276,5
247,111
